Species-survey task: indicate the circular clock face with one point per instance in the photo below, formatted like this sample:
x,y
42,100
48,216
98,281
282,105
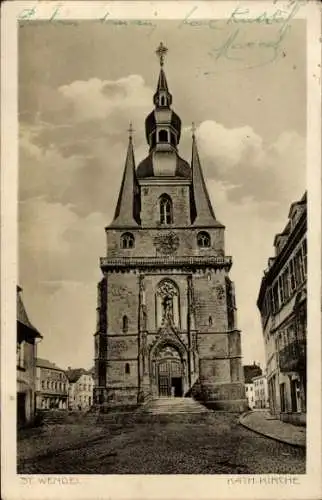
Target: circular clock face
x,y
166,243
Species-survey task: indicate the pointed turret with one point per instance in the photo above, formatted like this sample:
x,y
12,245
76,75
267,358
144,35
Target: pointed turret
x,y
127,208
162,82
204,214
162,97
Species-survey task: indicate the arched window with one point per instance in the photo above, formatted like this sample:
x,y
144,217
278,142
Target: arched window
x,y
163,136
127,240
163,101
210,320
166,216
125,324
127,368
203,239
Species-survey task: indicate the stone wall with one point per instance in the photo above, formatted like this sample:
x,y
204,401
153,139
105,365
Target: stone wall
x,y
150,196
147,245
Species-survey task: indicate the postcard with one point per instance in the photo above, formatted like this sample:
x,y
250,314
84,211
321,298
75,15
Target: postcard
x,y
161,250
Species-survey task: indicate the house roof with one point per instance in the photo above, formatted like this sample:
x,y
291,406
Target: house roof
x,y
45,363
74,374
22,316
251,371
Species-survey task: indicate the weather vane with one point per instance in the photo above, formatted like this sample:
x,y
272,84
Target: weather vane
x,y
161,52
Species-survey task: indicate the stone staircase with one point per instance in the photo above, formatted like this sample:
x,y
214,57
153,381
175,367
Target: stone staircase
x,y
174,405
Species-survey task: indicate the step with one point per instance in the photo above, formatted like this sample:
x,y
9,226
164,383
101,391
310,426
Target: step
x,y
174,405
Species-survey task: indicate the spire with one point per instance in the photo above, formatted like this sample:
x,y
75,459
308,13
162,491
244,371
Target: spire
x,y
204,212
127,209
162,97
162,82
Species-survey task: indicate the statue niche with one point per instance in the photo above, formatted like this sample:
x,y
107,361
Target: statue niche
x,y
167,304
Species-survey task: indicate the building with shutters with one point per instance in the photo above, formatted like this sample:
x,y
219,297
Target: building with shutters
x,y
282,302
80,389
51,386
251,371
166,314
260,392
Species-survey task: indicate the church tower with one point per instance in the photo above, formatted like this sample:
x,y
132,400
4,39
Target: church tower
x,y
166,315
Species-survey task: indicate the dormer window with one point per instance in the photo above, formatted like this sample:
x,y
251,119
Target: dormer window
x,y
127,240
166,215
203,239
163,136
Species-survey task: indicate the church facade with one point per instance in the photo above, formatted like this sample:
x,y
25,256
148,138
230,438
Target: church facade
x,y
166,315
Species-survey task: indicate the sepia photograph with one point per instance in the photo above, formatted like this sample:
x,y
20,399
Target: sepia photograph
x,y
162,242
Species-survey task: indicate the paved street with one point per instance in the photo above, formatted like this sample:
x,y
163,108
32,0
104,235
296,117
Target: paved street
x,y
162,439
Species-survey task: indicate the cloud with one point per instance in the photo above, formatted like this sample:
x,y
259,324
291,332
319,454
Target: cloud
x,y
250,169
58,269
65,314
229,147
75,156
58,245
97,99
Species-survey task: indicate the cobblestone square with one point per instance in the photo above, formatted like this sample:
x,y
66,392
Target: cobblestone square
x,y
147,443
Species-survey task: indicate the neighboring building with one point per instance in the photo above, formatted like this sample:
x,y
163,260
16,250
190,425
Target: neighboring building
x,y
80,389
51,386
282,304
251,371
260,392
27,338
166,305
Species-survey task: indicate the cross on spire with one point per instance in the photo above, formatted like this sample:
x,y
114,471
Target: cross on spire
x,y
161,52
130,130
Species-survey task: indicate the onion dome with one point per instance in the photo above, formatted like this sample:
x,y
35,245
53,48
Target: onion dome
x,y
163,130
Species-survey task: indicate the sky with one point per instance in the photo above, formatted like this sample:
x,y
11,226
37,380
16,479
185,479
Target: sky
x,y
80,85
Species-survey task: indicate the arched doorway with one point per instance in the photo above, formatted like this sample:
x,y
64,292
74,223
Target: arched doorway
x,y
170,372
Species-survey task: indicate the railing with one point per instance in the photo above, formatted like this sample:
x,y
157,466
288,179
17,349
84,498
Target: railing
x,y
168,261
293,357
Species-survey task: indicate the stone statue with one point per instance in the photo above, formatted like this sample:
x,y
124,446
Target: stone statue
x,y
167,310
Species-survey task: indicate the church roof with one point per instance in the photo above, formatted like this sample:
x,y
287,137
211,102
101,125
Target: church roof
x,y
145,168
205,215
127,208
